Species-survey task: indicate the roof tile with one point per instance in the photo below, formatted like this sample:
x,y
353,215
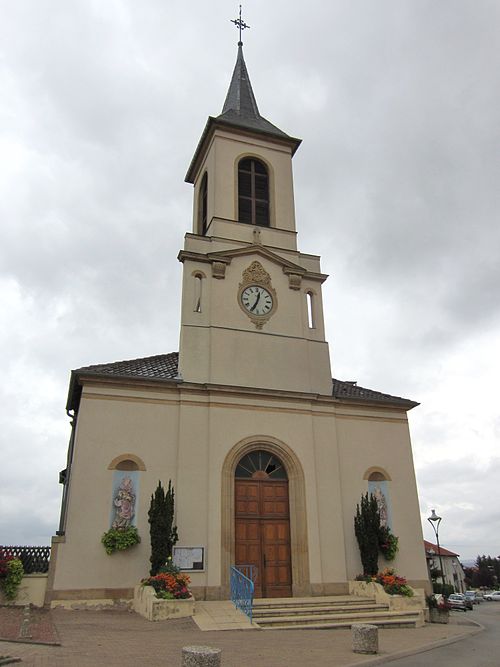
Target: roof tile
x,y
161,367
165,367
351,390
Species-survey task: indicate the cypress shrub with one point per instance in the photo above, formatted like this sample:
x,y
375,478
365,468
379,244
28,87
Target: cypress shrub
x,y
162,530
367,530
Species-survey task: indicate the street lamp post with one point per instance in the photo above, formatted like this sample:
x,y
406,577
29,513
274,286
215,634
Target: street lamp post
x,y
435,520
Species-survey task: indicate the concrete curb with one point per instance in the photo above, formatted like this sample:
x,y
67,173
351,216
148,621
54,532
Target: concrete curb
x,y
380,660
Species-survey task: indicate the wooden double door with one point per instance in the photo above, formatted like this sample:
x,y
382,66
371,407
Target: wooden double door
x,y
263,534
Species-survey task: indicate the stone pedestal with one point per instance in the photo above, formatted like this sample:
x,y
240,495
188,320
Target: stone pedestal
x,y
201,656
437,615
364,638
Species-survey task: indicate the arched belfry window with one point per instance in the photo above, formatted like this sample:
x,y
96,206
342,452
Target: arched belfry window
x,y
202,206
260,465
253,192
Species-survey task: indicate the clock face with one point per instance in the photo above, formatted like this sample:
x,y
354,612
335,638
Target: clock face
x,y
256,300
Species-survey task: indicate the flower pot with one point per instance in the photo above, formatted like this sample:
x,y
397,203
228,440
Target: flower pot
x,y
437,615
154,609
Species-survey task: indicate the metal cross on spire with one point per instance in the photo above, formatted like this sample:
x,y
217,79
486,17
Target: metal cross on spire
x,y
241,25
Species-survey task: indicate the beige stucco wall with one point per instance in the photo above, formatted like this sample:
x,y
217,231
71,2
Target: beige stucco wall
x,y
380,438
222,345
185,434
31,591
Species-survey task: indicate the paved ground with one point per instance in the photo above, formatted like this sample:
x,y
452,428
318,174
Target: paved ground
x,y
481,650
124,639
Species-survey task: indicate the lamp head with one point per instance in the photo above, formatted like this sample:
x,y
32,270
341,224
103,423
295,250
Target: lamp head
x,y
434,516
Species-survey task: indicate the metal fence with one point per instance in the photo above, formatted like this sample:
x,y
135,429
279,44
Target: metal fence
x,y
35,560
242,588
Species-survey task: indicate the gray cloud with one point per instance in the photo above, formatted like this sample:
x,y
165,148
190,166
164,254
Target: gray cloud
x,y
396,186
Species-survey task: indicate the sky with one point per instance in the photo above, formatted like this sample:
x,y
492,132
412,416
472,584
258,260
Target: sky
x,y
396,186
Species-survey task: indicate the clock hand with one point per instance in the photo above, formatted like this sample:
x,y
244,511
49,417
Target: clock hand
x,y
256,302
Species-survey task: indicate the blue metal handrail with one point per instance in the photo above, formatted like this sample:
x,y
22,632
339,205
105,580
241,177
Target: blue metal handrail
x,y
242,588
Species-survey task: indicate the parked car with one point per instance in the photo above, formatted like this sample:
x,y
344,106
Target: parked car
x,y
474,597
492,596
468,602
457,601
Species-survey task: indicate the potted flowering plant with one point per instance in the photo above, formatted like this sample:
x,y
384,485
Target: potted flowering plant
x,y
165,595
393,584
170,586
390,582
439,609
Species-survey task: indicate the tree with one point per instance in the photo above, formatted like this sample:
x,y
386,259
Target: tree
x,y
162,530
367,530
486,572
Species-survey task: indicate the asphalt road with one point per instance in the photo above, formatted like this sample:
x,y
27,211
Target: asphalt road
x,y
480,650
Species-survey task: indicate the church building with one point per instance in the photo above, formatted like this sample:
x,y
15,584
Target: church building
x,y
268,455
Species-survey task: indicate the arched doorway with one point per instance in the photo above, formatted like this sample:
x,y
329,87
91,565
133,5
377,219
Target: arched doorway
x,y
262,522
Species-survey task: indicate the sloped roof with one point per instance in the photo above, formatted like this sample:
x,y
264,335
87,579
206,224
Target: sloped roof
x,y
444,552
164,368
240,107
161,366
352,391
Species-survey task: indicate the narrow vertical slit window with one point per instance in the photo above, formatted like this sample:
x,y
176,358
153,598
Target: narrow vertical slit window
x,y
202,206
253,192
310,310
197,293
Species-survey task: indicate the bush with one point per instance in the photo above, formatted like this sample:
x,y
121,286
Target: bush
x,y
391,583
388,543
445,590
170,586
162,530
119,539
11,574
367,529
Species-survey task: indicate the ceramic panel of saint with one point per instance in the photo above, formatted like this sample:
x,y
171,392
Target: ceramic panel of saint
x,y
380,491
124,498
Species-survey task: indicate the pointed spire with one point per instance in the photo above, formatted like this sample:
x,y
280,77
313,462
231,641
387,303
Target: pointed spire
x,y
240,97
240,107
240,113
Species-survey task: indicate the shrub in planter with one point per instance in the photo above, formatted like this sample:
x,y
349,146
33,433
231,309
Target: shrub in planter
x,y
390,582
119,539
11,574
393,584
439,609
170,585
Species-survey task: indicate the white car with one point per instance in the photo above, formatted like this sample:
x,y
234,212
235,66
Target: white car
x,y
492,596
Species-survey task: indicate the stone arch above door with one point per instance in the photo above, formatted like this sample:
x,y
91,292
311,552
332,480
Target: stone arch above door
x,y
298,514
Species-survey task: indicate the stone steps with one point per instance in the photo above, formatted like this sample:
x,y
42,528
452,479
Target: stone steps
x,y
312,601
328,613
321,609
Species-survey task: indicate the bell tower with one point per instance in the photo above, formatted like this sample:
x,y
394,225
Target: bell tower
x,y
252,313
